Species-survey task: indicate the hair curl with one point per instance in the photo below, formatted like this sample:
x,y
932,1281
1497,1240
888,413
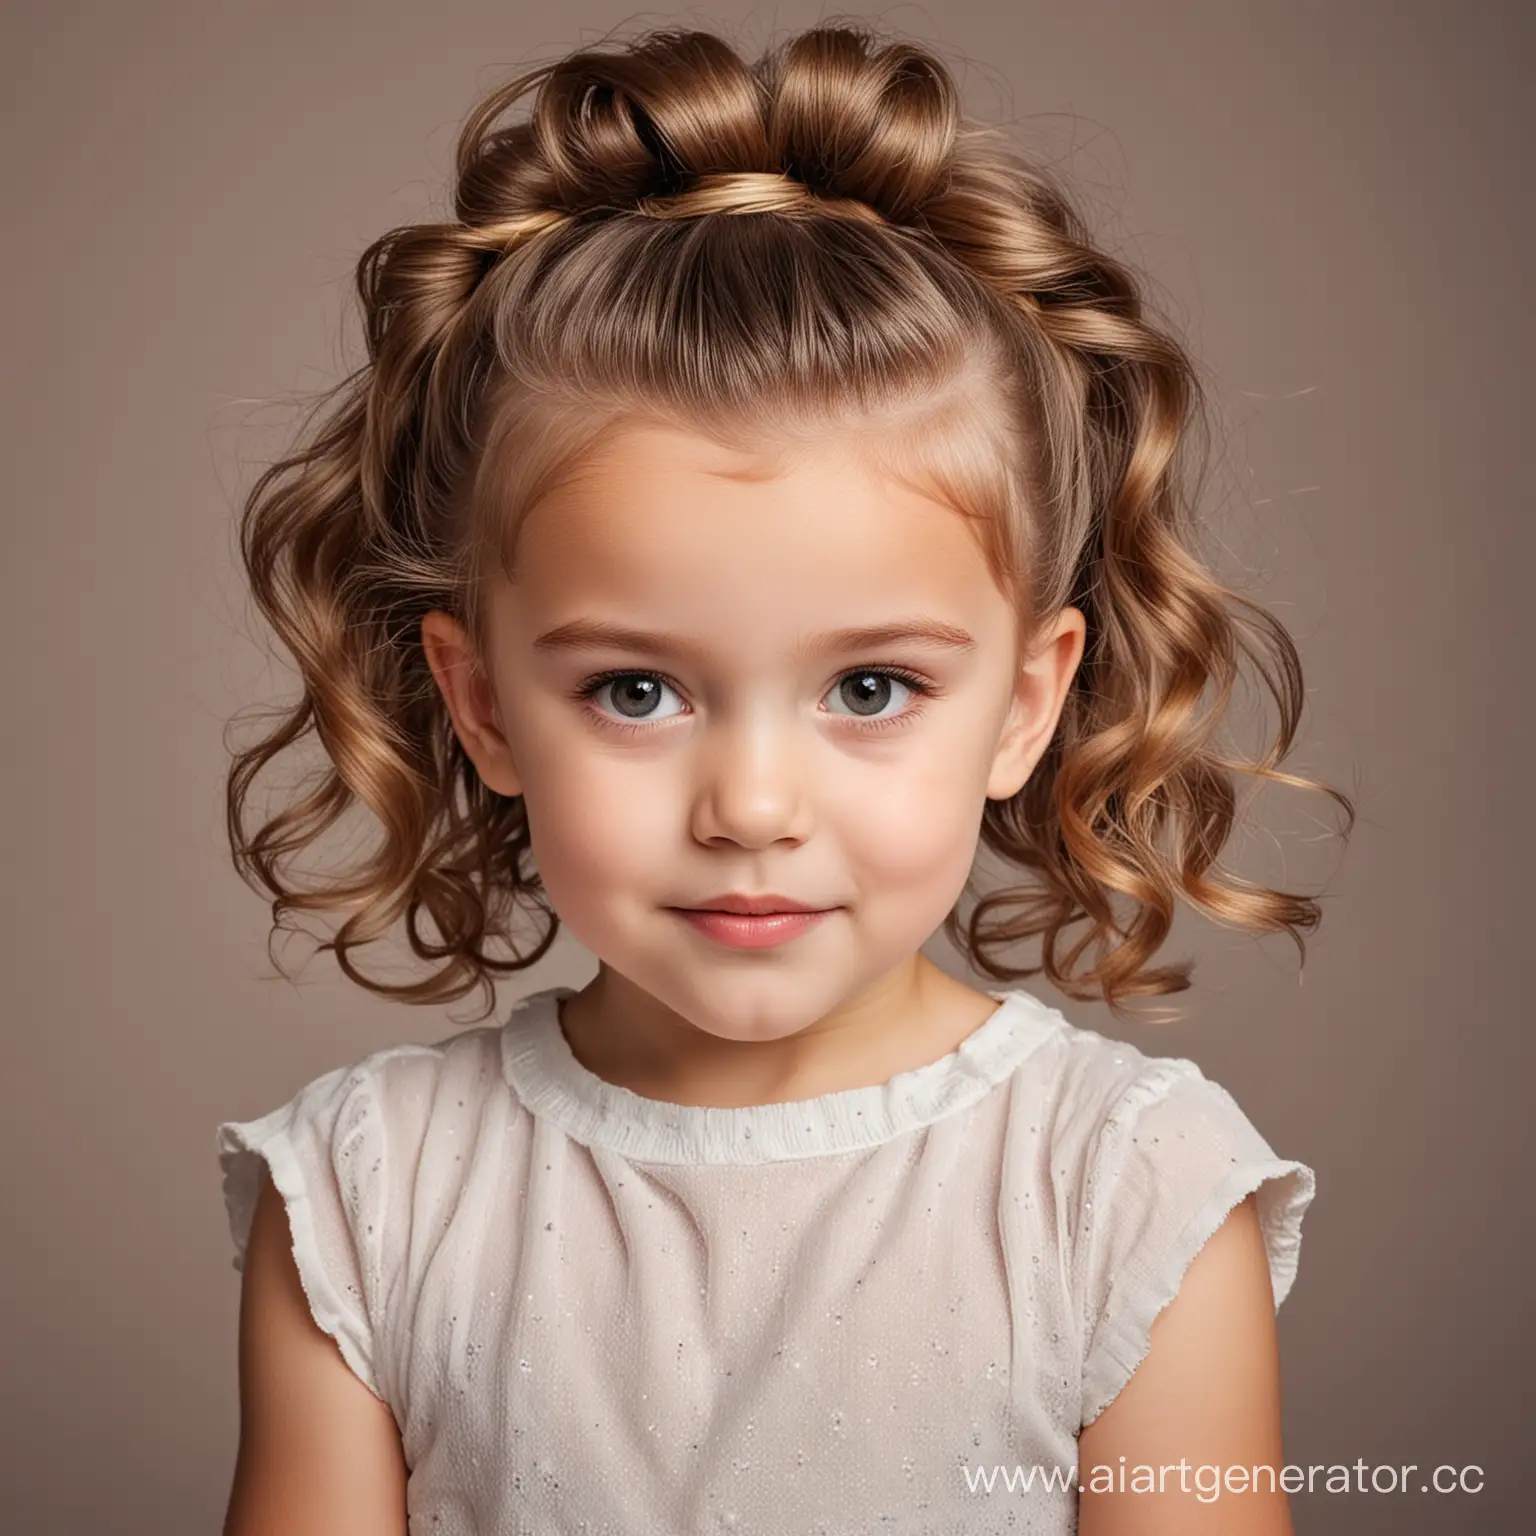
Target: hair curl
x,y
886,264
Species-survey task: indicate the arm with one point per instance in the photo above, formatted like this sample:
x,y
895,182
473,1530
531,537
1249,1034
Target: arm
x,y
319,1453
1208,1393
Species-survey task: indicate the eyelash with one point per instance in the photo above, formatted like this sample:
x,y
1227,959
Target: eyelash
x,y
919,686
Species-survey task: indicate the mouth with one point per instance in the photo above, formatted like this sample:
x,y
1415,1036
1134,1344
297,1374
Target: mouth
x,y
752,930
769,904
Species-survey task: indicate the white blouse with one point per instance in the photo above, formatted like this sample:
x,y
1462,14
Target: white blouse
x,y
596,1312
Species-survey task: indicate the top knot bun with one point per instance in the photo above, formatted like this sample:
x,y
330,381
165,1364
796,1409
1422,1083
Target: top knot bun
x,y
849,117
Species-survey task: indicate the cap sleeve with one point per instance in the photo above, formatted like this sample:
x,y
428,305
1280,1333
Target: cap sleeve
x,y
1174,1156
325,1149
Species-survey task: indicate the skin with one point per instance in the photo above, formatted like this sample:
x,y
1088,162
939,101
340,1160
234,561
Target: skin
x,y
1208,1393
319,1455
754,771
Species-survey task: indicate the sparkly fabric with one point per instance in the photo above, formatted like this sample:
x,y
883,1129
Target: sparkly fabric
x,y
595,1312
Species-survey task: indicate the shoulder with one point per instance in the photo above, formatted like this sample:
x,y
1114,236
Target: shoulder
x,y
1151,1124
1147,1158
1137,1130
1083,1086
347,1133
350,1157
412,1085
394,1078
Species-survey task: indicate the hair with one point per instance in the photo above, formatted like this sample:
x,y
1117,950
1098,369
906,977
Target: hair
x,y
816,243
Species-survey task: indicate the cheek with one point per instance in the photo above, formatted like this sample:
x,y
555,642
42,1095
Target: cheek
x,y
581,819
913,828
596,833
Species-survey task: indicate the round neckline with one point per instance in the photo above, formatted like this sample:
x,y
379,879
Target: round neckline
x,y
538,1063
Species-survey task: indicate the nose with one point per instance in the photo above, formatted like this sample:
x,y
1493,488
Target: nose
x,y
750,786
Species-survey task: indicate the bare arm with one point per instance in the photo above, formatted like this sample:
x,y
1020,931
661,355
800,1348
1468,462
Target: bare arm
x,y
320,1455
1207,1394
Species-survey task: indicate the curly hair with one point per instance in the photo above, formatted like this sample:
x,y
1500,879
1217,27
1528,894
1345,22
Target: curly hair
x,y
821,242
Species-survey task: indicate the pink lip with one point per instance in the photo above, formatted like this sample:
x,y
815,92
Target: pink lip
x,y
751,932
766,905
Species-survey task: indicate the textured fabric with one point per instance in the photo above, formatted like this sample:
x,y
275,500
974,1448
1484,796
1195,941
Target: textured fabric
x,y
591,1311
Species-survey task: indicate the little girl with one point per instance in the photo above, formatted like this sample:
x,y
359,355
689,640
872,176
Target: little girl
x,y
757,497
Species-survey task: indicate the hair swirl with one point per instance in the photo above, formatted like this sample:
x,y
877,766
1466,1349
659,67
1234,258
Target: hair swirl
x,y
886,266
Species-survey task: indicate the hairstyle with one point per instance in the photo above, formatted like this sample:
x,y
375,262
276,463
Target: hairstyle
x,y
815,243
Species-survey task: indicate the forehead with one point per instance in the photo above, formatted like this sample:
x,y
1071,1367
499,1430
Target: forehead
x,y
685,531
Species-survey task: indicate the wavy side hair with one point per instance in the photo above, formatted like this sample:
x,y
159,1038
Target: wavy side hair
x,y
816,242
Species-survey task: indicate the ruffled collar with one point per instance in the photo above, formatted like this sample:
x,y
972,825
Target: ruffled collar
x,y
539,1064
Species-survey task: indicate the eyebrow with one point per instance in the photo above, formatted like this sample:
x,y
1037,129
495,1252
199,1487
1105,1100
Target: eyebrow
x,y
596,635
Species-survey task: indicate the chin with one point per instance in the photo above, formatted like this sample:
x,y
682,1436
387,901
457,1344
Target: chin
x,y
749,1010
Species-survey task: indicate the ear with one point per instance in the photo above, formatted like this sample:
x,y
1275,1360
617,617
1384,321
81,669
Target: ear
x,y
471,702
1041,689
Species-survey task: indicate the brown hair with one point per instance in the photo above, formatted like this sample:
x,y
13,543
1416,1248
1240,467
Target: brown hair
x,y
821,242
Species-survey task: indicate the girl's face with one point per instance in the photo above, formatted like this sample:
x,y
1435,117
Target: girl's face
x,y
731,740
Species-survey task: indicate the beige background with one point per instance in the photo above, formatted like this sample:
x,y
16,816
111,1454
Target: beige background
x,y
1334,202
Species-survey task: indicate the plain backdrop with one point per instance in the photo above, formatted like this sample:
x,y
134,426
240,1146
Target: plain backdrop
x,y
1332,201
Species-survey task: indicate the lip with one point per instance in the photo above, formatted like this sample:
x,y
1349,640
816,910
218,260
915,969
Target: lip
x,y
752,906
762,930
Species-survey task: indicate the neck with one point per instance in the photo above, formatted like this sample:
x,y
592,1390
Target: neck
x,y
909,1017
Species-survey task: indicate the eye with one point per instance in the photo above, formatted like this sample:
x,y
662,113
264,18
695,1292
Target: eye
x,y
867,692
634,695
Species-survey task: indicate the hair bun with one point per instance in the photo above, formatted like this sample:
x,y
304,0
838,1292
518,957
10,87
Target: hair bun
x,y
850,117
613,126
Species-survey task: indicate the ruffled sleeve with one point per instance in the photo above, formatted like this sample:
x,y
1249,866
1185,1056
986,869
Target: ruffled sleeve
x,y
1175,1155
325,1149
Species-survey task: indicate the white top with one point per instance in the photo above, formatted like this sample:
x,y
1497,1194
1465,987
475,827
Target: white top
x,y
592,1311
